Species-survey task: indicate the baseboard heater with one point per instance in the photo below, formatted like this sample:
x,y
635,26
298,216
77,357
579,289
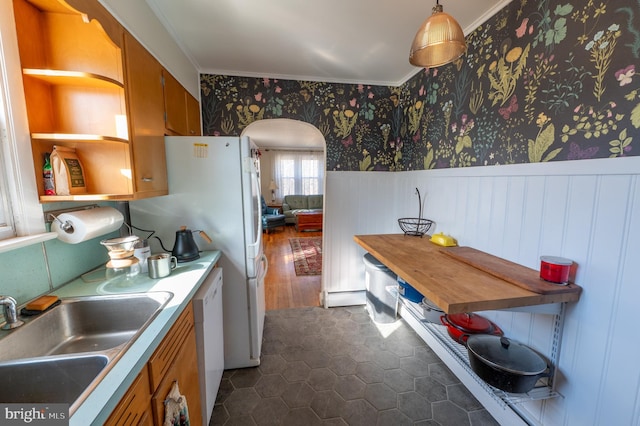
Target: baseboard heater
x,y
344,298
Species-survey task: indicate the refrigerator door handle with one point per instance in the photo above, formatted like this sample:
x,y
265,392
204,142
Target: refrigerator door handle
x,y
254,247
257,309
265,263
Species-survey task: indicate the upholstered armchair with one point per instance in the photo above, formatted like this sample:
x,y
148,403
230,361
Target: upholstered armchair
x,y
271,217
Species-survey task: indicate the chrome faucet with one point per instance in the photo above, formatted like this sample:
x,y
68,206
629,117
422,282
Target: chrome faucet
x,y
10,315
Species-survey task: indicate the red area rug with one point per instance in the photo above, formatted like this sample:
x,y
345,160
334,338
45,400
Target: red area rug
x,y
307,255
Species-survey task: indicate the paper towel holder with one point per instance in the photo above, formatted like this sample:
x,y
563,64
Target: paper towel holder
x,y
66,226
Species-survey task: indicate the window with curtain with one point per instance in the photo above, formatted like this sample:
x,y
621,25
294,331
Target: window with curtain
x,y
298,173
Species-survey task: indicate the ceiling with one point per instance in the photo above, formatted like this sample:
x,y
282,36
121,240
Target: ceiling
x,y
337,41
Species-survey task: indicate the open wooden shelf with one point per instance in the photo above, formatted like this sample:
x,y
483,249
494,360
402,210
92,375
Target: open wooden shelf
x,y
84,197
105,160
72,78
75,137
79,94
456,286
451,284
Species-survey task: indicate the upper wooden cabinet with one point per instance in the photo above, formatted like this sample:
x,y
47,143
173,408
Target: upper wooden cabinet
x,y
80,93
182,110
194,128
74,91
175,105
146,115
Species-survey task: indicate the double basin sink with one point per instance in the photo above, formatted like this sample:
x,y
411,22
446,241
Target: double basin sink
x,y
61,355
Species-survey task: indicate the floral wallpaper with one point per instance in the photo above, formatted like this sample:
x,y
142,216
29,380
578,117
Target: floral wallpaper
x,y
543,80
361,124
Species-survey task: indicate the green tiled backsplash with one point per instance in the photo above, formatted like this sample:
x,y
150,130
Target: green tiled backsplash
x,y
68,261
34,270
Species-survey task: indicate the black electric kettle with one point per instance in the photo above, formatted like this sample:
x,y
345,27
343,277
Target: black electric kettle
x,y
185,248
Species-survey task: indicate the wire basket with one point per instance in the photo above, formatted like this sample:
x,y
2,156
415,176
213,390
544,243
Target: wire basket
x,y
414,226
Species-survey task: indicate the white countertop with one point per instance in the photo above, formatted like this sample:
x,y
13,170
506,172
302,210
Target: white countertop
x,y
183,282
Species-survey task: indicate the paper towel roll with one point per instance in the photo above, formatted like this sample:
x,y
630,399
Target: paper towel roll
x,y
87,224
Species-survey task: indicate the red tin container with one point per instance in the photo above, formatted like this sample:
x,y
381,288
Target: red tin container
x,y
555,269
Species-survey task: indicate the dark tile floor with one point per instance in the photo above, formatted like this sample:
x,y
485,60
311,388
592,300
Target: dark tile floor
x,y
337,367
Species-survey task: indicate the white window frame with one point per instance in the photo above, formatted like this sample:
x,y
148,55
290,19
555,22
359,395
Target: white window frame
x,y
6,218
21,192
297,180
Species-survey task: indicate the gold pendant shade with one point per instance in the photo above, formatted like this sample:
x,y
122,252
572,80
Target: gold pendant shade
x,y
439,40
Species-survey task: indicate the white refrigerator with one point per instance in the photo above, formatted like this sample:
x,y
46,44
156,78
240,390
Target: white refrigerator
x,y
214,186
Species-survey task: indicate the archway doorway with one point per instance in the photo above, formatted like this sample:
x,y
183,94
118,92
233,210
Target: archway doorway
x,y
287,284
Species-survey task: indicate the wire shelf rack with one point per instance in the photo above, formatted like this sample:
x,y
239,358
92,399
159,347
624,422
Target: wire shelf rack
x,y
543,390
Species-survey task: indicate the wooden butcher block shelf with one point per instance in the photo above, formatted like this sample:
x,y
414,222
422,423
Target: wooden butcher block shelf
x,y
455,285
519,275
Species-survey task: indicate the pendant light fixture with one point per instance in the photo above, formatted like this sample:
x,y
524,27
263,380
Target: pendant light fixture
x,y
439,40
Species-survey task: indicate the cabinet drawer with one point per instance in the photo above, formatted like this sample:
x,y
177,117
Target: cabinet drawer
x,y
162,358
134,408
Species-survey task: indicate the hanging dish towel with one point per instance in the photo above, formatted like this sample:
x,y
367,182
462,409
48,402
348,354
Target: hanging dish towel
x,y
176,412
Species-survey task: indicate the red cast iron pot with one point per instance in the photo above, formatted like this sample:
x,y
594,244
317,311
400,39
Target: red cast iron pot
x,y
460,326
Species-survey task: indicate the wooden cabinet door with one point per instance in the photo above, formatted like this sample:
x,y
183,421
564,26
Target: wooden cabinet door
x,y
134,409
146,115
193,116
175,105
184,371
161,360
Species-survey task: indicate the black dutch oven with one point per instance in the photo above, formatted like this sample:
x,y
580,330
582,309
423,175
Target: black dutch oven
x,y
506,364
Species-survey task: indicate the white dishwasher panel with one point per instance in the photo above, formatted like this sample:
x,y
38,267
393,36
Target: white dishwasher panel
x,y
207,312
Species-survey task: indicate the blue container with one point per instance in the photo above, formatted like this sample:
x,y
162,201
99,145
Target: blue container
x,y
409,292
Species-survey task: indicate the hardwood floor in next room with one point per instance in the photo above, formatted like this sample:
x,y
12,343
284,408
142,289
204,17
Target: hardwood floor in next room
x,y
283,288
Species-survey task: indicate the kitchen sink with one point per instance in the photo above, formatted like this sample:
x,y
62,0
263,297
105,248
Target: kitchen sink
x,y
83,324
62,354
50,380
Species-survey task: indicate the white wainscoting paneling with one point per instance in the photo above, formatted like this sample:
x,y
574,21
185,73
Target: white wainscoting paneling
x,y
355,203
